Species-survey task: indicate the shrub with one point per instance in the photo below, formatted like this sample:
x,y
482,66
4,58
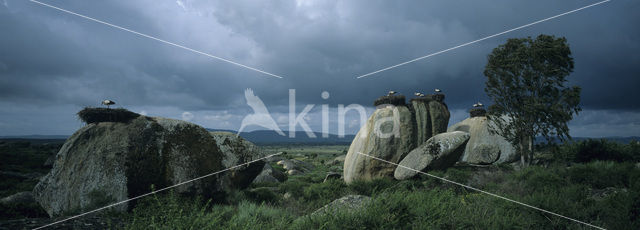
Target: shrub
x,y
536,177
94,115
602,174
591,150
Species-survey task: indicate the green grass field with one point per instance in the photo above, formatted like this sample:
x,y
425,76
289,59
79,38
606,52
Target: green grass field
x,y
603,191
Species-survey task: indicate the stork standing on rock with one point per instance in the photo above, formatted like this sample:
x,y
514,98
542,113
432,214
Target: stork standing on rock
x,y
438,90
108,103
478,105
391,93
418,94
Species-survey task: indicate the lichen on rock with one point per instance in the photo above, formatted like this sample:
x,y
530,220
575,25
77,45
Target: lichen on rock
x,y
125,160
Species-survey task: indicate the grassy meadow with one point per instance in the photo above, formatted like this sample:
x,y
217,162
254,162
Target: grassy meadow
x,y
604,191
593,181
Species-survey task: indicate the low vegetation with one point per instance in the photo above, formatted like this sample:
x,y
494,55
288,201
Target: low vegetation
x,y
604,193
601,190
21,163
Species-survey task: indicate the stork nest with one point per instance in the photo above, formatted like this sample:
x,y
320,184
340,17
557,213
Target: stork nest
x,y
425,99
393,100
477,112
94,115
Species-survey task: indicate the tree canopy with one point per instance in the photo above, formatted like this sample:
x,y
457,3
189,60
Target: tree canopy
x,y
526,80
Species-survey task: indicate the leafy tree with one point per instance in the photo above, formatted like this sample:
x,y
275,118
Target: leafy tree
x,y
526,80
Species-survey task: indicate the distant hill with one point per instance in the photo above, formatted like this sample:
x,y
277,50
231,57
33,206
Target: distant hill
x,y
37,137
35,141
271,137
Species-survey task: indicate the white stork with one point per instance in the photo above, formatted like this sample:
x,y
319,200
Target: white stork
x,y
108,103
391,93
438,90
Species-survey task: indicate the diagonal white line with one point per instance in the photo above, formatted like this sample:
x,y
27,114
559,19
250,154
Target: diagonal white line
x,y
154,192
478,190
157,39
481,39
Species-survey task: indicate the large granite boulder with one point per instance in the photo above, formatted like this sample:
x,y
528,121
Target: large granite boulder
x,y
403,127
439,152
106,162
431,116
270,175
236,151
424,129
484,147
439,116
389,135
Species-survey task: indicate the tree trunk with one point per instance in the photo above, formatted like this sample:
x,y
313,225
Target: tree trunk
x,y
522,154
530,149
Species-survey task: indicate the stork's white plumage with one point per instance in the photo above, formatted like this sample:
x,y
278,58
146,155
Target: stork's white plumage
x,y
480,104
391,93
421,95
475,105
108,103
438,90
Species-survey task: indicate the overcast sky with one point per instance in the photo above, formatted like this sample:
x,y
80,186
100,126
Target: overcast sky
x,y
52,63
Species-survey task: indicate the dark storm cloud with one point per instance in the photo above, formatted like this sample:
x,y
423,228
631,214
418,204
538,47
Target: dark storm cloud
x,y
48,57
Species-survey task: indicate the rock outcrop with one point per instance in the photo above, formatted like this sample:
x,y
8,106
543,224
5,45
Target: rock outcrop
x,y
483,147
391,132
270,175
295,167
331,176
18,199
439,116
389,135
349,203
339,160
106,162
424,125
439,152
236,151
